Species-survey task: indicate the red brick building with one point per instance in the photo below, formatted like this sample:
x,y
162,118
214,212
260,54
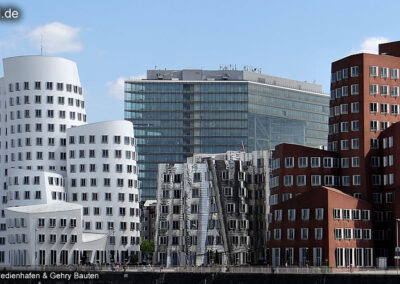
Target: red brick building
x,y
364,108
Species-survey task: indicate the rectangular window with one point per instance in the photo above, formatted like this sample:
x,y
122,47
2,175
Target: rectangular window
x,y
394,109
318,233
291,214
354,71
354,89
288,180
304,233
373,89
319,214
384,72
355,107
303,162
289,162
356,180
394,91
338,233
373,107
301,180
305,214
384,108
315,162
344,127
374,126
373,71
394,74
315,180
384,90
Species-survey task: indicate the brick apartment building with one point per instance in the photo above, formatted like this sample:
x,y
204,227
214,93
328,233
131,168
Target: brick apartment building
x,y
353,183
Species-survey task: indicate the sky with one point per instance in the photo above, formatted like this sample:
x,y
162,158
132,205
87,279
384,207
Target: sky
x,y
114,40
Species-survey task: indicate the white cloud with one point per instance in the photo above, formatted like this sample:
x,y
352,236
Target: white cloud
x,y
56,38
116,87
370,45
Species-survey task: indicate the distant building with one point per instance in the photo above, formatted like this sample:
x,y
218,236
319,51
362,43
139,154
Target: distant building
x,y
361,162
180,113
148,220
311,223
213,209
70,191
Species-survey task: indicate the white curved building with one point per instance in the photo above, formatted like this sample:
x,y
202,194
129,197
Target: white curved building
x,y
102,177
40,100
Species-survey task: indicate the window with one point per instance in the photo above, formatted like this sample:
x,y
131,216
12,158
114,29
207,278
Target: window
x,y
384,90
288,180
337,213
305,214
230,207
394,91
357,234
318,233
374,143
289,162
373,89
315,180
278,215
354,89
394,109
291,214
303,162
319,213
347,233
344,108
301,180
384,108
384,125
366,234
355,107
354,71
365,215
345,91
356,180
315,162
277,234
344,145
346,214
228,191
196,177
338,233
304,233
394,74
344,127
290,233
374,125
389,197
384,72
373,107
373,71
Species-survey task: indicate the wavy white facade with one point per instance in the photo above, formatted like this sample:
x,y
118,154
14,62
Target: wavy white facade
x,y
40,101
102,177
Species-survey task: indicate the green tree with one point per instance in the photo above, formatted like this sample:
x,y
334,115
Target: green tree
x,y
147,248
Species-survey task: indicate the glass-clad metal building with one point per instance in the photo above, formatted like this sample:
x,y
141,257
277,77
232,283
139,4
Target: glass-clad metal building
x,y
180,113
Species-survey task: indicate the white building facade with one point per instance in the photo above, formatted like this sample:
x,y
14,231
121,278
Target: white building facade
x,y
102,177
40,100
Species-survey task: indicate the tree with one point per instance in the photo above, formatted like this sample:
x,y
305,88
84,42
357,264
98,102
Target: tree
x,y
147,248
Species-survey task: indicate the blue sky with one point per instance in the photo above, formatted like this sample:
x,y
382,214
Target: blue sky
x,y
112,40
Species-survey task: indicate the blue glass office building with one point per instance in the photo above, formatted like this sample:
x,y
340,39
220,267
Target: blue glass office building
x,y
180,113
